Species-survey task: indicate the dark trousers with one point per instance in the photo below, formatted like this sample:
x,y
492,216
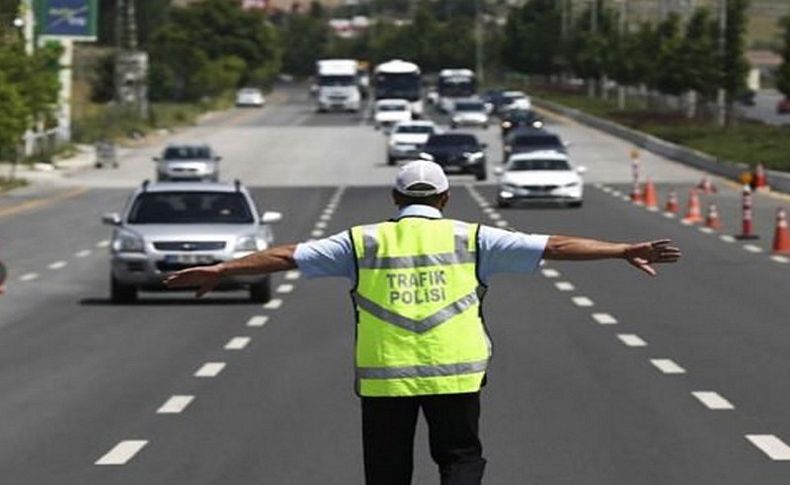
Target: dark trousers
x,y
388,426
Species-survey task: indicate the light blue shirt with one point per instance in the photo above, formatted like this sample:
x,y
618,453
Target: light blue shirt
x,y
501,251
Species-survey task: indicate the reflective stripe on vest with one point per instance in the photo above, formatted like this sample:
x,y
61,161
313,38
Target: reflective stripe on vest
x,y
419,328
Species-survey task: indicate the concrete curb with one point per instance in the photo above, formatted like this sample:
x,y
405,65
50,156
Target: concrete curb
x,y
779,181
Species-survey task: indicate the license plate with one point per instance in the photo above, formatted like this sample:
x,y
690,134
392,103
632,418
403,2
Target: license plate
x,y
189,258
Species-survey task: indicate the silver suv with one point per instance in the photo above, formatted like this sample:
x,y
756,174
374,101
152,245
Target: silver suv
x,y
166,227
188,163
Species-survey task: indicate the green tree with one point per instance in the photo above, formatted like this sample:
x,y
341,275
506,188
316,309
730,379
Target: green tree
x,y
734,65
13,116
533,39
783,73
672,76
305,40
699,51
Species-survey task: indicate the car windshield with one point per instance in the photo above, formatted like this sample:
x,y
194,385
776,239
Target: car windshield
x,y
337,80
537,141
537,164
470,106
513,96
392,107
187,153
414,129
520,115
190,208
452,140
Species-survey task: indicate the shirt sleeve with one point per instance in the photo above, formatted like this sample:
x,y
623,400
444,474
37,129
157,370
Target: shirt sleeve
x,y
503,251
331,256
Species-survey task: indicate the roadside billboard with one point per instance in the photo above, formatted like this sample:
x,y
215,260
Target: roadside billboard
x,y
70,19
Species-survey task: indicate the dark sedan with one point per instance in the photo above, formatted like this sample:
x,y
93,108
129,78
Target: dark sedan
x,y
530,140
521,118
457,153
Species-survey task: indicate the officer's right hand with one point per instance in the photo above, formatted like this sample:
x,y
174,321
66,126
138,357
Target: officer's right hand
x,y
206,278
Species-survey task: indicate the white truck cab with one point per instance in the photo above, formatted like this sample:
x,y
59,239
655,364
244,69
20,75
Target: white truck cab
x,y
337,85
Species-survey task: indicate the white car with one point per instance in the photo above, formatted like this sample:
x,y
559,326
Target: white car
x,y
469,112
515,100
407,139
541,176
387,112
250,97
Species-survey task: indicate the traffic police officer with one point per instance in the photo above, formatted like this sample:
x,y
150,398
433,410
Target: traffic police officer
x,y
421,342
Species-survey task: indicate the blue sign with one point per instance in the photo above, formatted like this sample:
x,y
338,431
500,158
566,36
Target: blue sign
x,y
68,18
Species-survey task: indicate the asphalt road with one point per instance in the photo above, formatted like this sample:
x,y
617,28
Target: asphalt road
x,y
594,368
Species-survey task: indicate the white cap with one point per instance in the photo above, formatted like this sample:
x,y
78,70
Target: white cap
x,y
421,172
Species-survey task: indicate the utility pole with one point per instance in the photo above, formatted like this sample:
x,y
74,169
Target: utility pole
x,y
593,30
131,64
622,31
721,98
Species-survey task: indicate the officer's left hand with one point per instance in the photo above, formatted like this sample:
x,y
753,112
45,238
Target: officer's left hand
x,y
642,255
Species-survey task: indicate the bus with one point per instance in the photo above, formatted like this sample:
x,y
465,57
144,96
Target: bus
x,y
453,84
402,80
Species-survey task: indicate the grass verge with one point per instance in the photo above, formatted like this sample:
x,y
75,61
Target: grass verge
x,y
8,184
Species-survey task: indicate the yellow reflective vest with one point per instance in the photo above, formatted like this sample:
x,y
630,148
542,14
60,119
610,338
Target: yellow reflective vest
x,y
417,301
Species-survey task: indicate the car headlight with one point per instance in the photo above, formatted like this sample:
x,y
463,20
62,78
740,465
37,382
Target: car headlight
x,y
506,124
249,243
572,184
127,242
473,156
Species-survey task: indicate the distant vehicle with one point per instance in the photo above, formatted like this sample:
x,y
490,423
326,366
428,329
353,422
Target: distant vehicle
x,y
250,97
407,139
363,78
540,176
387,112
167,227
453,85
783,106
432,96
457,153
530,140
402,80
519,118
514,100
337,85
468,112
493,98
189,163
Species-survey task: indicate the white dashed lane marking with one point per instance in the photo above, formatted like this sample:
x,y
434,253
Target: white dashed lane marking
x,y
502,224
550,273
752,248
210,369
489,210
175,405
28,277
604,318
771,445
564,286
667,366
712,400
292,275
494,216
780,259
631,340
83,254
705,229
257,321
582,301
669,215
727,238
286,288
320,225
57,265
103,244
317,233
273,304
237,343
122,452
325,217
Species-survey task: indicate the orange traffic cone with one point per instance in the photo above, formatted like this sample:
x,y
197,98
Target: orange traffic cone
x,y
712,220
693,213
636,193
650,198
759,180
782,234
672,205
706,186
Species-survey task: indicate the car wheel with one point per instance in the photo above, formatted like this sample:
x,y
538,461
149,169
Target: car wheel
x,y
576,204
261,292
502,204
481,174
121,293
453,126
390,160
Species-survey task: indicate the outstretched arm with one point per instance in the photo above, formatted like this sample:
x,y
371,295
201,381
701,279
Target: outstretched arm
x,y
206,278
640,255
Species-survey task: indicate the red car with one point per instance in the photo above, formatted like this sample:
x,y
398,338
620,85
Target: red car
x,y
783,106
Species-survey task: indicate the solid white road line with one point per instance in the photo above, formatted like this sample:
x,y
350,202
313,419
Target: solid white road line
x,y
550,273
712,400
604,318
317,233
210,369
631,340
57,265
752,248
771,445
122,452
103,244
780,259
564,286
667,366
727,238
28,277
273,304
175,405
257,321
83,254
582,301
286,288
237,343
292,275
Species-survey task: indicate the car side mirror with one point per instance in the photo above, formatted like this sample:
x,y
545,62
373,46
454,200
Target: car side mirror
x,y
499,171
217,158
271,217
426,156
581,169
157,159
484,145
111,219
